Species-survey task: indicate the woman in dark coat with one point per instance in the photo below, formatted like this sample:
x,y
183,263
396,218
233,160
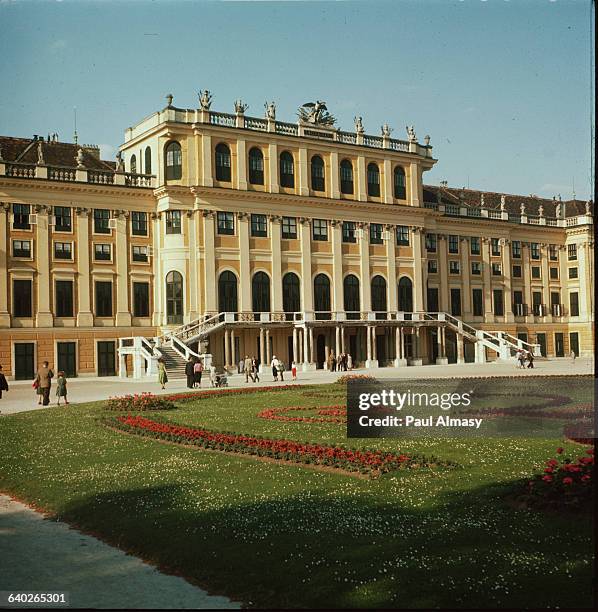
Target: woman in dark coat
x,y
3,383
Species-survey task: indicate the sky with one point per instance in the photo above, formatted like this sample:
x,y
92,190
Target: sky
x,y
504,88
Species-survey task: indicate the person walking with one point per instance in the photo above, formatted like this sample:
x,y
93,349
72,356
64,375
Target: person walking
x,y
38,390
213,375
530,360
197,372
61,388
3,383
281,369
572,355
255,370
520,355
339,362
162,374
294,370
248,368
274,366
44,380
349,362
189,367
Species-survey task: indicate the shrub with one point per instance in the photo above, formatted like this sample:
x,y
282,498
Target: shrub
x,y
364,377
139,403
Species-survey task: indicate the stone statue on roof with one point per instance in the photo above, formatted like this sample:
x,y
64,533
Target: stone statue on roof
x,y
503,201
205,99
386,130
522,208
558,209
240,107
79,158
541,211
270,110
358,125
411,133
40,154
120,164
316,113
482,204
589,207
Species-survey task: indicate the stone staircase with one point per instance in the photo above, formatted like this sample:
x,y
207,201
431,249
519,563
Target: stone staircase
x,y
175,364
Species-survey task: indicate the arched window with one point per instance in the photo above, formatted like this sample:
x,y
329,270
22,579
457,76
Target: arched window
x,y
322,296
260,292
174,161
379,296
351,296
227,292
133,164
291,297
174,298
399,181
222,163
148,160
373,180
346,176
318,182
256,166
287,170
405,294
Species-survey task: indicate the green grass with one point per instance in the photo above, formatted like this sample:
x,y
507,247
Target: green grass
x,y
276,535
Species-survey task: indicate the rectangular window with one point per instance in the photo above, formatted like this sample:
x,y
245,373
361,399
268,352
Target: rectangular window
x,y
63,250
20,216
456,302
21,248
226,223
519,308
141,299
101,219
573,273
64,302
138,223
499,304
454,267
535,250
432,266
477,296
495,247
516,249
554,273
102,252
537,307
574,304
553,252
173,221
431,242
496,269
555,304
516,271
571,252
320,229
402,235
453,244
349,231
22,293
289,228
476,268
535,271
140,254
103,298
432,299
474,245
376,233
259,226
62,219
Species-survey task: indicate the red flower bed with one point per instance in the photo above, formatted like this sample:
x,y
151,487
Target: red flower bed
x,y
179,397
139,403
372,462
337,414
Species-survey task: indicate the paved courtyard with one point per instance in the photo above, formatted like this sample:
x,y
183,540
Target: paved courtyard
x,y
22,397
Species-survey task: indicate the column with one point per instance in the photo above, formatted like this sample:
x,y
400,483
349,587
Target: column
x,y
443,272
211,285
295,355
368,336
391,242
268,347
123,311
4,249
415,184
487,274
305,350
276,263
441,359
372,361
206,156
337,267
303,172
312,359
244,269
418,262
273,168
301,350
241,178
326,350
387,190
362,193
44,316
342,339
465,276
158,284
306,284
507,270
226,348
398,357
337,345
417,360
364,269
233,357
460,358
193,267
84,289
527,287
334,176
262,350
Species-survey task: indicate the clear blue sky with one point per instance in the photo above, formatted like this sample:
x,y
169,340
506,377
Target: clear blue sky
x,y
504,88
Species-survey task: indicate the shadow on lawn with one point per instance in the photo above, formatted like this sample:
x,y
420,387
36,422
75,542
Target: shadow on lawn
x,y
318,551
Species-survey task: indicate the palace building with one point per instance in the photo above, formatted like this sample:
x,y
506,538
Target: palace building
x,y
224,235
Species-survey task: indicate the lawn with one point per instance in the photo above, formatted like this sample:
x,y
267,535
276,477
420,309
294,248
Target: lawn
x,y
280,535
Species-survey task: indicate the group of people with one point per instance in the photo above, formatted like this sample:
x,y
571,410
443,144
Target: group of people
x,y
194,371
250,367
341,363
523,358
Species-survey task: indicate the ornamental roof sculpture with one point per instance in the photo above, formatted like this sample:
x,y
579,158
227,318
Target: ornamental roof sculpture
x,y
316,113
205,99
270,110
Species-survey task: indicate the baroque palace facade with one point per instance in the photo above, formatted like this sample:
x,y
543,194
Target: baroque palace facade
x,y
225,235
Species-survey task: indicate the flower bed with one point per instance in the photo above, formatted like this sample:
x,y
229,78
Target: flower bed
x,y
368,462
208,393
583,432
348,377
139,403
330,414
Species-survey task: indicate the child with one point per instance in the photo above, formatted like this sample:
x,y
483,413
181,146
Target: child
x,y
294,370
61,388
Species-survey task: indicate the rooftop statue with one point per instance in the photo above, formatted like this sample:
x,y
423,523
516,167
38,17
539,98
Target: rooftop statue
x,y
502,202
386,130
558,210
270,110
589,207
79,158
358,125
522,208
240,107
40,154
316,113
120,164
411,134
541,211
205,99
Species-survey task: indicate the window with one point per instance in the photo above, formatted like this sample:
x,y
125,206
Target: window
x,y
574,304
456,302
399,183
346,177
289,227
287,170
140,254
474,245
260,292
495,247
148,160
553,252
373,180
103,298
453,244
64,298
227,292
291,296
496,269
431,241
535,249
101,218
519,308
173,221
21,248
499,303
133,164
62,219
174,298
222,163
571,252
20,216
139,223
259,225
537,307
554,273
322,296
573,273
320,229
402,235
141,299
349,231
63,250
535,271
555,304
516,249
477,296
226,223
432,266
174,161
432,299
102,252
376,233
256,167
22,298
516,271
405,294
351,300
476,268
379,296
454,267
317,173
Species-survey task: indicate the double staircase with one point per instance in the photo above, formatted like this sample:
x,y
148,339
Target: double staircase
x,y
174,362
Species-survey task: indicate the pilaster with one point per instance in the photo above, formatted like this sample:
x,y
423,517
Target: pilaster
x,y
362,188
84,289
391,240
334,176
4,313
193,267
123,312
211,289
276,263
206,160
507,271
44,316
306,283
365,297
337,267
303,172
418,281
387,192
241,182
465,277
245,304
273,186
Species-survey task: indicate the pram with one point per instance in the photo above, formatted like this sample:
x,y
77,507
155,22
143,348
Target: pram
x,y
221,380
